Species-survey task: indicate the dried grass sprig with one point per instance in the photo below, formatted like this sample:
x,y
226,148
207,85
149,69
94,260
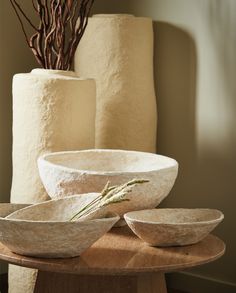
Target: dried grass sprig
x,y
109,195
61,26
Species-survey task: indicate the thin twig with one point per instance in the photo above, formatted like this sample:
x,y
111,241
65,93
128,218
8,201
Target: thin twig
x,y
62,24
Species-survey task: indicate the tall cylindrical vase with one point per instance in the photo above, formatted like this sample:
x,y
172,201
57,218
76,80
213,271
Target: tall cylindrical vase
x,y
117,51
52,111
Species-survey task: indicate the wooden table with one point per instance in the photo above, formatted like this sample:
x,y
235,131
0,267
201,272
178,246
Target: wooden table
x,y
118,262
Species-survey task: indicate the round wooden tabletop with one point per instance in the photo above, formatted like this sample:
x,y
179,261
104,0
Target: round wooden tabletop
x,y
120,252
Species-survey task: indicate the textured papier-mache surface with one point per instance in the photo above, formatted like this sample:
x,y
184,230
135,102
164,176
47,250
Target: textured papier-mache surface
x,y
68,173
173,227
52,111
121,61
45,229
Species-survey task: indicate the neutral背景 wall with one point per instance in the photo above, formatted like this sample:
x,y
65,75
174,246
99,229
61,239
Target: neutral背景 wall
x,y
195,69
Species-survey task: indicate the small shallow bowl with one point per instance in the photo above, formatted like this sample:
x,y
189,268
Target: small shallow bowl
x,y
173,227
67,173
44,230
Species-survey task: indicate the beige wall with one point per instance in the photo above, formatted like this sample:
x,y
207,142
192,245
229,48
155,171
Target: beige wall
x,y
5,115
14,57
195,69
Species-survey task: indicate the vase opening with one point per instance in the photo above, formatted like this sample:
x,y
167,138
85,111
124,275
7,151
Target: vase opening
x,y
42,71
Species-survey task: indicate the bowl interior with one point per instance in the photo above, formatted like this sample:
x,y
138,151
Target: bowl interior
x,y
57,210
175,216
110,161
8,208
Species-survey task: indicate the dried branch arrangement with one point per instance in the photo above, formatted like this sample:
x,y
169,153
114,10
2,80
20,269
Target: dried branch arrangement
x,y
109,195
61,26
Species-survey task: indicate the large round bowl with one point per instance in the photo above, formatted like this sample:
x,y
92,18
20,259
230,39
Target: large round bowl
x,y
45,229
67,173
173,227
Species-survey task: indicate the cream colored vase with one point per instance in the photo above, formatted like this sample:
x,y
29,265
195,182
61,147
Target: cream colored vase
x,y
52,111
117,50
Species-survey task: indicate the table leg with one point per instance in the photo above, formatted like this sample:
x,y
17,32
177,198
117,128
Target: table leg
x,y
48,282
151,283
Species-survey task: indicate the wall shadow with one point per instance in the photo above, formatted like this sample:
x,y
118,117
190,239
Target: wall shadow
x,y
175,68
206,161
115,6
15,57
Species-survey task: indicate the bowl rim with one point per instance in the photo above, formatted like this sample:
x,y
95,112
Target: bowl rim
x,y
110,218
111,215
44,160
118,15
128,217
51,200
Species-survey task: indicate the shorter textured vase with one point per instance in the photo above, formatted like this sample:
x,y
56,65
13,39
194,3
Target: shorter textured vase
x,y
45,229
173,227
53,110
67,173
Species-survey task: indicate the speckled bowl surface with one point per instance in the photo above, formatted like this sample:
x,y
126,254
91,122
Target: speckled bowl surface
x,y
44,230
67,173
8,208
173,227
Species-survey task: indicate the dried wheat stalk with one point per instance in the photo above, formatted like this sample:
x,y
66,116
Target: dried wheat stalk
x,y
109,195
61,26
